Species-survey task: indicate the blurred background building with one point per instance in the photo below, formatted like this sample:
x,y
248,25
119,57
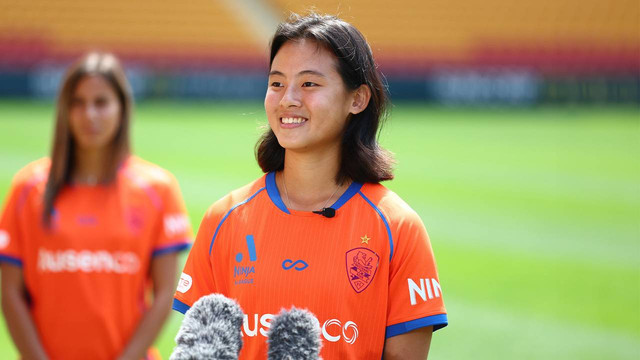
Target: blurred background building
x,y
451,52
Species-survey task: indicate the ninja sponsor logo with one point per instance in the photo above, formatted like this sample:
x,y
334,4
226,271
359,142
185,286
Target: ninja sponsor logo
x,y
243,274
426,289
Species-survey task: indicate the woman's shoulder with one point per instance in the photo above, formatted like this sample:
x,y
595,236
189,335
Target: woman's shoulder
x,y
236,198
388,202
147,173
33,173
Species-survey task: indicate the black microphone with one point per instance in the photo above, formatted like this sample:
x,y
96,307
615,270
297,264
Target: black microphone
x,y
326,212
294,335
210,330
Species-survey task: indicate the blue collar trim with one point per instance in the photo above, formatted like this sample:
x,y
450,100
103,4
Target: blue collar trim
x,y
351,191
274,194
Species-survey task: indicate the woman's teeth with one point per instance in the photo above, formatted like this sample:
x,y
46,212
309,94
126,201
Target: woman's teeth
x,y
289,120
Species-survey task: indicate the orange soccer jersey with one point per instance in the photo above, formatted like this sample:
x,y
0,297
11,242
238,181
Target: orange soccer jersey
x,y
87,276
367,274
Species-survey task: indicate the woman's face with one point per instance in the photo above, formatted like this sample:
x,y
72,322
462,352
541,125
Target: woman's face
x,y
307,103
94,113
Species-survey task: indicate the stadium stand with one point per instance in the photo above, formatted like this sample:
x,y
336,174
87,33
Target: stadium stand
x,y
159,32
424,47
571,35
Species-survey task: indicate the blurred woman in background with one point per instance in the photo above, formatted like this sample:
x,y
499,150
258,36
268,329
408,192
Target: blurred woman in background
x,y
89,236
318,231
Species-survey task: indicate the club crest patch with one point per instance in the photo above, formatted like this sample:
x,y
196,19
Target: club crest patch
x,y
362,264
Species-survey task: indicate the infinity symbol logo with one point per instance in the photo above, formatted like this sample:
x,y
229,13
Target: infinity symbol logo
x,y
297,265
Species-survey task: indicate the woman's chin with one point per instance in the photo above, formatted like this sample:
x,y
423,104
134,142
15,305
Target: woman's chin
x,y
91,146
291,144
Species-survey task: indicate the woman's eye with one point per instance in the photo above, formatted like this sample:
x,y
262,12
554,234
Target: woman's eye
x,y
308,84
101,102
276,84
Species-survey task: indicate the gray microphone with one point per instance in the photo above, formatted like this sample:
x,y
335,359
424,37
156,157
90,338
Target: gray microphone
x,y
210,330
294,335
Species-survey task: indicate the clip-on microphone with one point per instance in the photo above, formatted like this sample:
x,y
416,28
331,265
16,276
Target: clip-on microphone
x,y
326,212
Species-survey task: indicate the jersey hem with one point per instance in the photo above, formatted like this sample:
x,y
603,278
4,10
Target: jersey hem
x,y
10,260
171,248
437,321
180,306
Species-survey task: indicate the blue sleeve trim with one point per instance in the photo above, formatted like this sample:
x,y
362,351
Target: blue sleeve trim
x,y
170,248
180,306
229,212
274,194
437,321
351,191
386,223
10,260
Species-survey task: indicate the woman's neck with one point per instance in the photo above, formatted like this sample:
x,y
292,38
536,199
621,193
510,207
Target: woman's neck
x,y
90,167
308,181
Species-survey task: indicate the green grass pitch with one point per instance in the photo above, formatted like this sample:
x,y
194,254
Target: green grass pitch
x,y
533,213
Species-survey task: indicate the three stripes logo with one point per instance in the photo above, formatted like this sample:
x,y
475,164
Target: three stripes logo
x,y
243,274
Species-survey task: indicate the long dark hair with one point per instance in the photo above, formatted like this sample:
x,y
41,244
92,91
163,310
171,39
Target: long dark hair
x,y
362,158
63,150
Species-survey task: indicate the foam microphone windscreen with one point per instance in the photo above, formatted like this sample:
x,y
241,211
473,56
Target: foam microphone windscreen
x,y
211,329
294,335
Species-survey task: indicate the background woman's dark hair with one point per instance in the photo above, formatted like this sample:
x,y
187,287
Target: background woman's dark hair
x,y
63,149
362,158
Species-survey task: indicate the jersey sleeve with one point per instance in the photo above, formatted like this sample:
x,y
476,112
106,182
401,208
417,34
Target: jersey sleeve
x,y
10,242
415,293
175,234
197,278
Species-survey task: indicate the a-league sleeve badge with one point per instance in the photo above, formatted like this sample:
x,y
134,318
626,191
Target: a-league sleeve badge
x,y
362,264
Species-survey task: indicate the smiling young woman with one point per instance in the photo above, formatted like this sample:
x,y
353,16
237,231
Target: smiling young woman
x,y
363,261
85,232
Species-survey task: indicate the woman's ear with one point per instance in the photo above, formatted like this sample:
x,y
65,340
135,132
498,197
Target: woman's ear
x,y
361,97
